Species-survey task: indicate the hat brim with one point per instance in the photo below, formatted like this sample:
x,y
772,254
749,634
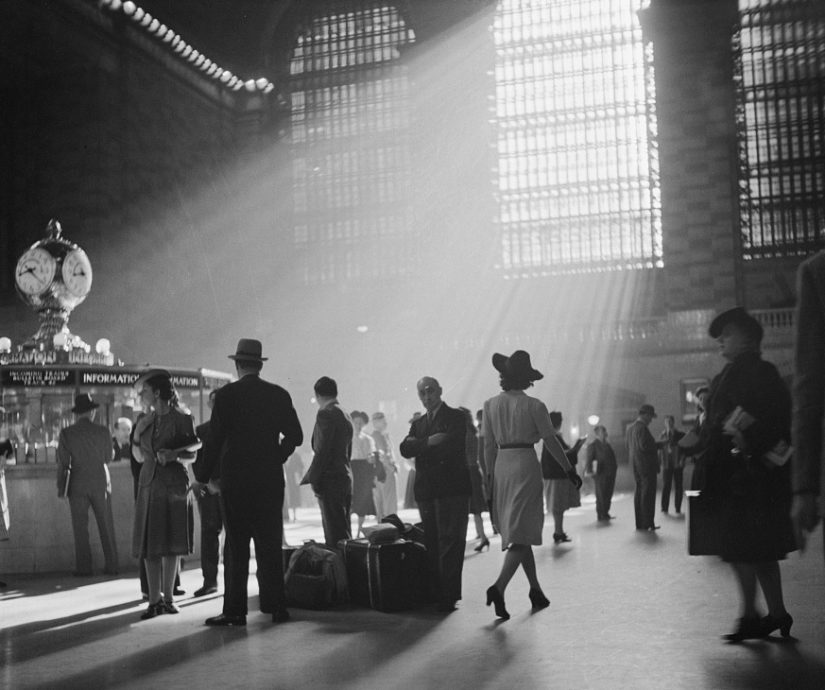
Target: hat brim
x,y
150,374
740,318
500,363
81,410
247,358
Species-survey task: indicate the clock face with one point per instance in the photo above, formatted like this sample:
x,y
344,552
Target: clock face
x,y
35,271
77,273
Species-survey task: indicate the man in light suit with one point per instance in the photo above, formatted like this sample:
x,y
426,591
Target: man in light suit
x,y
254,429
808,397
329,475
84,450
442,489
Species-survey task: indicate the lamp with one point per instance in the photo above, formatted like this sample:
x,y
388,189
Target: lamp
x,y
5,344
103,347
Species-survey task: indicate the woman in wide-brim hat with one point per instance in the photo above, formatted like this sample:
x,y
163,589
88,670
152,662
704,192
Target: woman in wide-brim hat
x,y
513,423
164,441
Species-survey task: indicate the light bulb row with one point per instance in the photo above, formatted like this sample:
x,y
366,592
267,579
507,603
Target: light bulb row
x,y
186,52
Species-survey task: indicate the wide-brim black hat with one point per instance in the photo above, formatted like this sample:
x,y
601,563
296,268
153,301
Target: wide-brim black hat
x,y
739,317
248,350
518,365
84,403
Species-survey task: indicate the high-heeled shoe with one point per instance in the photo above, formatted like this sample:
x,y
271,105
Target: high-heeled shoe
x,y
782,623
560,537
538,600
746,629
497,599
153,610
485,543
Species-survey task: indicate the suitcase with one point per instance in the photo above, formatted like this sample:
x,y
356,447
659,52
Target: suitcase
x,y
316,578
286,553
386,577
704,535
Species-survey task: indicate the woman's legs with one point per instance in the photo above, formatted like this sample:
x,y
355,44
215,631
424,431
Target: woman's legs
x,y
153,577
170,570
770,580
558,522
528,563
746,577
479,526
512,559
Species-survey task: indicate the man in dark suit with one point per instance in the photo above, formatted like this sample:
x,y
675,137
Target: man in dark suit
x,y
210,510
642,451
84,450
254,429
808,397
329,475
442,489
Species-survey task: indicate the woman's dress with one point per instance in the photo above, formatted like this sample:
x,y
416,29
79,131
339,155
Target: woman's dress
x,y
163,510
562,493
752,499
363,474
512,417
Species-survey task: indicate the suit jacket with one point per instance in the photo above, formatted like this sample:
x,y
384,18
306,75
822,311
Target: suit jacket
x,y
249,419
641,448
332,444
809,377
602,453
441,470
87,448
199,466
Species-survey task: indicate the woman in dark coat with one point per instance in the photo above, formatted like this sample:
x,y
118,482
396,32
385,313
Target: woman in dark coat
x,y
164,442
748,420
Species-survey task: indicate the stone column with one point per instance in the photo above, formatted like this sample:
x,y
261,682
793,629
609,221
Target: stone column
x,y
695,106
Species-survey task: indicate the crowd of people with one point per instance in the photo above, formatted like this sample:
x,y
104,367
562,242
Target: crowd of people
x,y
762,504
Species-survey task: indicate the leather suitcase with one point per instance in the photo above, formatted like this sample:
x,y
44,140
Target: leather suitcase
x,y
704,534
386,577
287,552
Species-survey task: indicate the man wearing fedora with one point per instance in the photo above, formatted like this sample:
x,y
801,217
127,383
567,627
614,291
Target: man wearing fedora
x,y
84,450
643,452
254,429
442,489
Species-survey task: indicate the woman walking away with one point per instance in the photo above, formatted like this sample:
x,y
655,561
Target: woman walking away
x,y
513,423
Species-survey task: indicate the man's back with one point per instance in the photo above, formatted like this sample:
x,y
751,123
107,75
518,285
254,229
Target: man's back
x,y
88,447
248,420
641,446
332,441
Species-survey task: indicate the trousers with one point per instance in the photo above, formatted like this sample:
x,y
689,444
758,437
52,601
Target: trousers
x,y
209,507
644,498
444,521
605,481
672,476
335,502
81,499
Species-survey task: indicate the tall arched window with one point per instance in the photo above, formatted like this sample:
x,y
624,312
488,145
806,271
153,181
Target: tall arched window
x,y
350,143
577,175
781,44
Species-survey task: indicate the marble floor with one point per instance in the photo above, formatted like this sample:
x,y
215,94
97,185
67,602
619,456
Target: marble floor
x,y
629,610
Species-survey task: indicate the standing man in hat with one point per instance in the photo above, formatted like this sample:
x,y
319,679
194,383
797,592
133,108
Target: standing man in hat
x,y
84,450
643,452
442,489
330,475
254,429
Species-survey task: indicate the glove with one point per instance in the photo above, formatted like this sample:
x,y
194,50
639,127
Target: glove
x,y
573,476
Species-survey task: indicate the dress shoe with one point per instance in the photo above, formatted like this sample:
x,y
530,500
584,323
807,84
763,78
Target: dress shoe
x,y
225,620
560,537
153,610
750,628
203,591
538,600
178,592
446,606
497,598
782,623
281,615
653,528
484,544
169,607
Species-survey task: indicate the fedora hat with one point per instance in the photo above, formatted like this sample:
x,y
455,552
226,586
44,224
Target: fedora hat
x,y
150,374
248,350
84,403
517,364
740,318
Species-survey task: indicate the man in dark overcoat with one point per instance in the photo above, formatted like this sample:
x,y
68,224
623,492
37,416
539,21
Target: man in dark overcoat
x,y
643,455
254,429
442,489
